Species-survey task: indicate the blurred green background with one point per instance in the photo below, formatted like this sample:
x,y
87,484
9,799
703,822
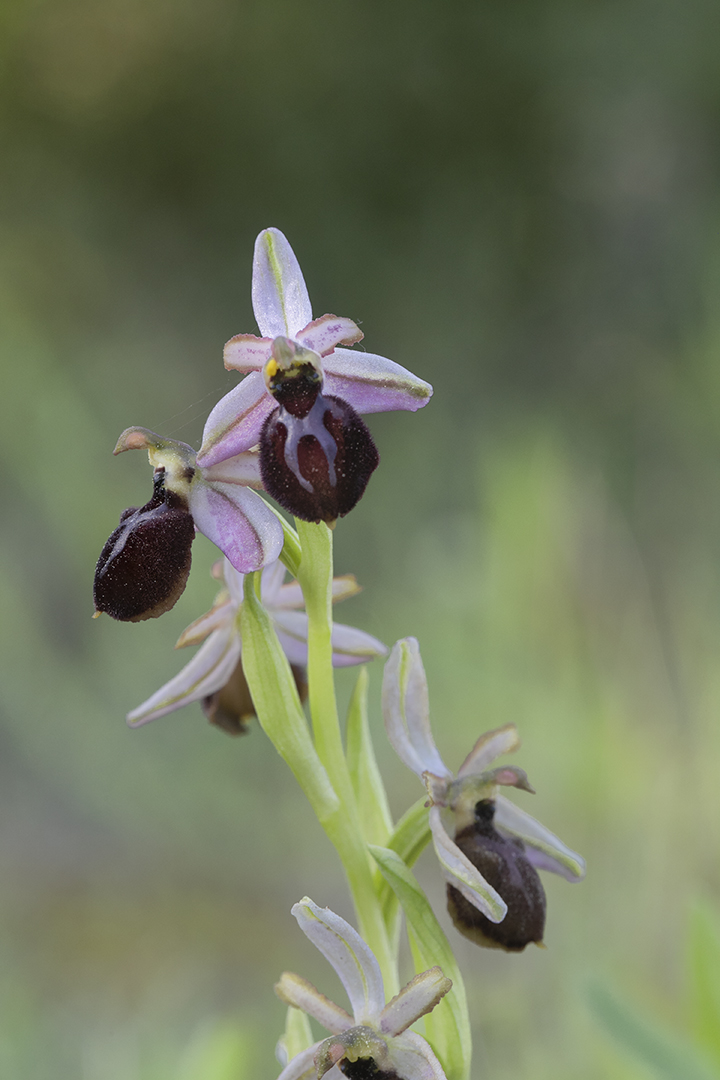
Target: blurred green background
x,y
520,202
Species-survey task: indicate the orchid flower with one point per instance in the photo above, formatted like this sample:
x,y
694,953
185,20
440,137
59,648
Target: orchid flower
x,y
302,394
143,567
375,1040
488,825
215,675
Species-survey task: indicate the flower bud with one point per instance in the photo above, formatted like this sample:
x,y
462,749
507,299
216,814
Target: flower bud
x,y
143,568
503,863
231,707
316,454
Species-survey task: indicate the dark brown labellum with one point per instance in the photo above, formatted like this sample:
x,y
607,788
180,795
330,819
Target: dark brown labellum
x,y
503,863
365,1069
317,466
144,566
231,708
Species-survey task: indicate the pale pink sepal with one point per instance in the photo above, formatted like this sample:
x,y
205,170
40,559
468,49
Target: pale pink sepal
x,y
372,383
246,353
234,425
488,747
544,849
460,872
238,522
279,296
350,645
208,671
412,1056
302,1066
418,997
352,959
406,710
323,334
242,469
294,990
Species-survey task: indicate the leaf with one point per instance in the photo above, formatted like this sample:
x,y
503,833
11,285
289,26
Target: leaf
x,y
447,1027
669,1057
409,839
375,819
276,700
298,1034
704,967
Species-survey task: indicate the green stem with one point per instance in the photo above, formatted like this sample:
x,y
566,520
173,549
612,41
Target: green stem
x,y
343,828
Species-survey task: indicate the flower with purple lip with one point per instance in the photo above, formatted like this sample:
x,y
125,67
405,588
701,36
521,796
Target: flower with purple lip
x,y
215,676
302,394
143,567
374,1041
494,893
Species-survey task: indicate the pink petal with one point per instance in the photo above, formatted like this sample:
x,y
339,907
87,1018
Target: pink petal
x,y
246,352
373,383
239,522
279,295
235,423
323,334
217,616
489,746
419,997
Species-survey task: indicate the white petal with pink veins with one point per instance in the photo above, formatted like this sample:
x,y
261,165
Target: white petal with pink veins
x,y
323,334
246,352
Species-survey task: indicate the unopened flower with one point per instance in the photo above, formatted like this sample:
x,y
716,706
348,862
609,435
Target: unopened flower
x,y
215,676
143,567
374,1042
495,896
302,394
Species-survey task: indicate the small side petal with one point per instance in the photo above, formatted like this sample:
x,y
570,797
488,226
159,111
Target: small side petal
x,y
412,1056
246,352
208,671
239,522
489,746
420,996
234,425
352,959
372,383
406,710
302,1067
279,296
323,334
460,872
243,469
544,849
301,994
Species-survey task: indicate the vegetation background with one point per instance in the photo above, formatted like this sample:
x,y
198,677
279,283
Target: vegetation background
x,y
520,202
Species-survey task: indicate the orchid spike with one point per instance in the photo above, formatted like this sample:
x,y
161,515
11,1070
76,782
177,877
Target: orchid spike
x,y
374,1040
485,821
215,674
301,376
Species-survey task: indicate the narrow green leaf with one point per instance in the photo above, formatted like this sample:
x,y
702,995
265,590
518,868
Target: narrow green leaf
x,y
669,1057
277,703
409,839
704,966
291,553
447,1027
298,1033
375,819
